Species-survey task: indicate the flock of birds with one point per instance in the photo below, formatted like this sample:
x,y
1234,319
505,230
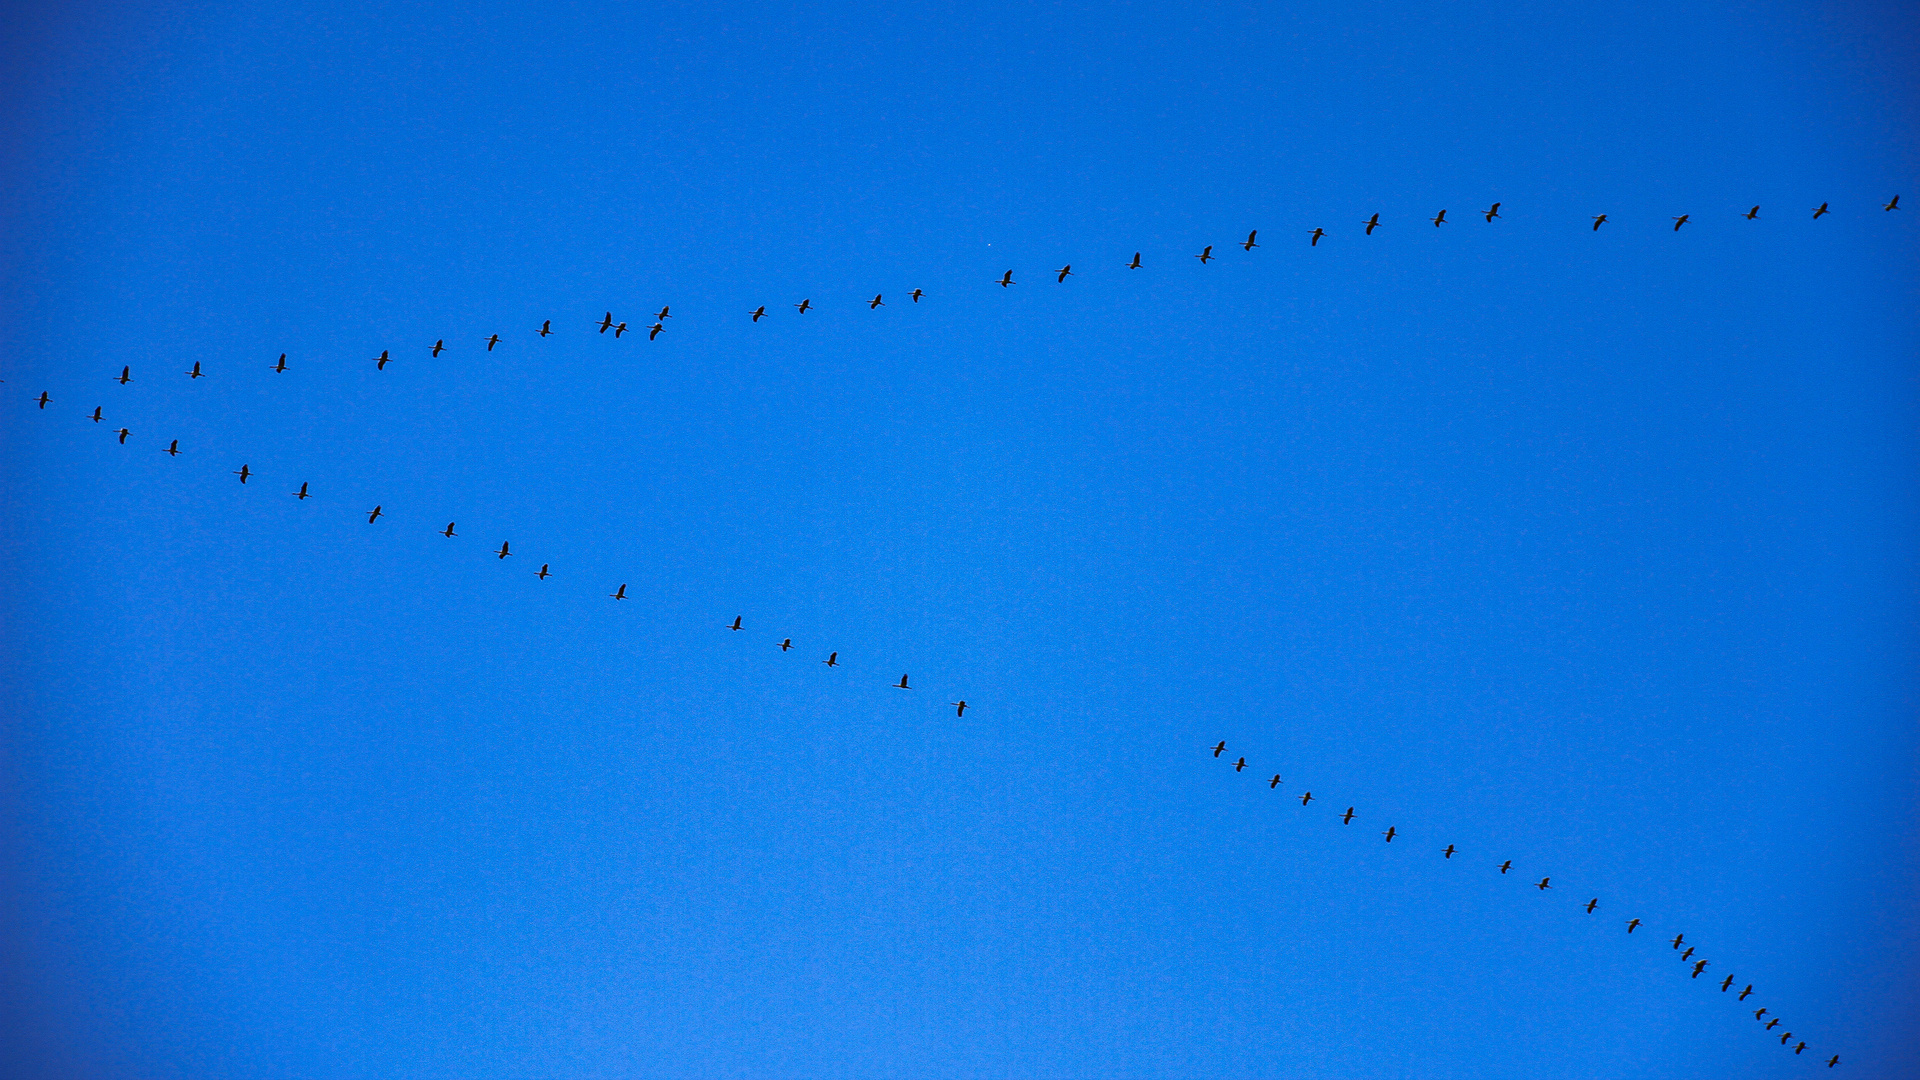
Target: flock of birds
x,y
608,324
1698,967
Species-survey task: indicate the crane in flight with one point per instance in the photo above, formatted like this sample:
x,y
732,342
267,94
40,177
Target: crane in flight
x,y
97,416
1389,834
1220,747
503,552
1241,764
619,593
123,433
1135,264
542,575
1543,886
380,362
1347,818
243,472
1893,205
1307,798
302,493
1752,214
803,305
126,375
758,313
1492,212
902,684
1448,854
1819,211
875,302
917,294
1591,904
1275,783
1724,986
44,398
606,322
959,707
1314,240
1506,866
1439,219
196,373
448,531
492,341
736,624
1372,223
1631,924
1677,940
282,365
1599,220
832,660
173,449
547,327
1206,255
1249,245
1679,221
439,347
1744,993
1698,967
785,644
1006,279
1065,272
373,515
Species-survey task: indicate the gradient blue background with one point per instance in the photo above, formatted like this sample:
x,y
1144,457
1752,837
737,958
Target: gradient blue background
x,y
1593,551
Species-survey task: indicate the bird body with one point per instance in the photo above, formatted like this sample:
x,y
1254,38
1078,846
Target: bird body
x,y
1599,220
1217,749
902,684
1372,223
439,346
173,448
197,373
1439,219
503,552
832,660
1206,255
1679,221
1631,924
380,362
786,644
620,593
661,315
1006,279
1307,798
606,322
448,531
1725,985
1698,967
875,302
96,417
1241,764
1894,204
758,313
1543,886
1249,244
1276,781
1347,818
1065,272
916,295
1449,852
736,624
1315,240
1591,904
1752,214
492,341
282,365
1135,264
372,515
126,374
302,493
1492,211
542,575
1819,211
547,327
1678,939
1389,833
123,433
959,707
44,399
804,305
243,472
1744,993
1506,866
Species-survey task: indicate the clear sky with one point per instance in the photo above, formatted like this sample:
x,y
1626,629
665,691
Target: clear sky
x,y
1589,550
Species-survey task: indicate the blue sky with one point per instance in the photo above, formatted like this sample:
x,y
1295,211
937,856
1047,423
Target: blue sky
x,y
1588,550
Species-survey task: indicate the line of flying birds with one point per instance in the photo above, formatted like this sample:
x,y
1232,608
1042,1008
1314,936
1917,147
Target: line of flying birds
x,y
1679,941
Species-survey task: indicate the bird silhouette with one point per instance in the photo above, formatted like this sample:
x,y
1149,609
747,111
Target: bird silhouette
x,y
620,593
654,330
1449,852
547,327
606,322
282,365
1506,866
832,660
243,472
1820,211
123,433
875,302
1249,244
302,493
785,644
1492,211
619,329
1832,1061
1744,993
173,448
916,295
1894,204
1222,745
1064,272
1241,764
1752,214
1206,255
492,341
1307,798
96,417
1688,955
1389,833
1591,904
1006,279
372,515
44,399
902,684
804,305
503,552
1727,984
1799,1048
1679,221
1439,219
758,313
439,346
448,531
1347,818
196,372
380,362
1372,223
1677,940
1275,782
1698,967
662,315
542,575
736,624
1599,220
959,707
1135,264
126,375
1315,240
1771,1024
1543,886
1631,924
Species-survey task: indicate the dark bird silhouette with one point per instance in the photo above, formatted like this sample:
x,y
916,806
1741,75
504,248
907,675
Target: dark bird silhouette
x,y
503,552
832,660
1249,245
173,448
1819,211
804,305
1591,904
1785,1038
547,326
1492,211
875,302
1725,986
448,531
758,313
1241,764
44,399
1752,214
902,684
542,575
1135,264
372,515
1439,219
196,372
380,362
1771,1024
1543,886
654,331
1631,924
302,493
1206,255
959,707
1275,782
1314,241
1892,205
243,472
282,365
1006,279
1307,798
661,315
1372,223
1698,967
1065,272
492,341
1688,955
123,433
1758,1013
126,375
736,624
1449,852
1347,818
1599,220
1389,833
1799,1048
1832,1061
1744,993
96,417
439,346
619,328
619,593
606,322
1678,939
916,295
1506,866
1679,221
1218,748
785,644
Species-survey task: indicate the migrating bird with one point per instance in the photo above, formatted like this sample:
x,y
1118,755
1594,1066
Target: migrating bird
x,y
173,448
1065,272
736,624
1317,234
1307,798
875,302
1347,818
373,514
1832,1061
1591,904
1222,746
492,341
1389,834
196,372
380,362
620,329
959,707
620,593
804,305
1135,264
1506,866
1275,782
1771,1023
96,414
1744,993
832,660
1206,254
1726,985
439,346
1241,764
1753,213
916,294
123,433
1543,886
606,322
1449,852
758,313
243,472
126,375
1677,939
1250,245
902,684
1679,221
44,399
547,327
1599,220
302,493
1799,1048
448,531
1759,1013
1688,955
1894,205
662,315
282,365
1439,219
1492,212
1006,279
1372,223
503,552
654,331
1698,967
1631,923
785,644
1819,211
542,575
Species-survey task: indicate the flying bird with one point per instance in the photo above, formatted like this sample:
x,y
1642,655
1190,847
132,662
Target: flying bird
x,y
1307,798
1599,220
503,552
1744,993
123,433
875,302
1819,211
1758,1013
96,414
619,329
448,531
1677,940
173,448
1135,264
196,372
542,575
1591,904
1389,833
606,322
804,305
1006,279
1688,955
243,472
1506,866
832,660
902,685
758,313
1753,213
1785,1038
439,346
1275,782
547,327
661,315
1799,1048
1832,1061
492,341
1698,967
1439,219
916,294
620,593
1065,272
1317,234
1347,818
1894,205
302,493
1492,211
1727,984
1241,764
126,375
1206,254
1449,852
1771,1024
785,644
1631,923
282,365
1679,221
736,624
373,514
1543,886
1249,244
959,707
380,362
44,399
1222,746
